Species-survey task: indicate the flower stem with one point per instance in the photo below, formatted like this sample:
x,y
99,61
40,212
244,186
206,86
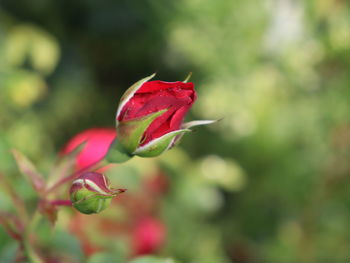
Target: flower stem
x,y
61,202
29,250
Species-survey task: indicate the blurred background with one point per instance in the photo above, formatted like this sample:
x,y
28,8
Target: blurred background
x,y
269,183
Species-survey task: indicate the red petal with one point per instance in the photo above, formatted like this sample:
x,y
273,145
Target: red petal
x,y
154,96
157,85
97,140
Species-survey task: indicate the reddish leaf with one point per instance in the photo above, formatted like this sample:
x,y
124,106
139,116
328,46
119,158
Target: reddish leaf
x,y
12,225
29,171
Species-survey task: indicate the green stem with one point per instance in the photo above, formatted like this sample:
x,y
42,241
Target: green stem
x,y
29,250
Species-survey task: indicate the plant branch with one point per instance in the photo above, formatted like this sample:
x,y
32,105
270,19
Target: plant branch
x,y
29,250
61,202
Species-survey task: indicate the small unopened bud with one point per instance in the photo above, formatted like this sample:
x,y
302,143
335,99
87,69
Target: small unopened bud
x,y
90,193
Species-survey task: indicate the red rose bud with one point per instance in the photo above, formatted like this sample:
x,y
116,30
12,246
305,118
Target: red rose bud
x,y
91,193
97,142
150,116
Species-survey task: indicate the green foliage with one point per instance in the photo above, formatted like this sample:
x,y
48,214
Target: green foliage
x,y
104,257
268,183
149,259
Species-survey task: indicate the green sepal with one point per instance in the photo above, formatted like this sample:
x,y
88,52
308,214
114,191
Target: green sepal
x,y
130,132
130,92
159,145
187,79
117,153
197,123
87,202
191,124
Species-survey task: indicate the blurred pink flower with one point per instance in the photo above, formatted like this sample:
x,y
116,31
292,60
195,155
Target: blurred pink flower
x,y
148,235
98,141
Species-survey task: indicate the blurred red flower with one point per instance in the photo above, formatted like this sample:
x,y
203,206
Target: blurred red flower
x,y
98,141
148,235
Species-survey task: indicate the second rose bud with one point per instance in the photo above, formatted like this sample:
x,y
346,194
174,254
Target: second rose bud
x,y
91,193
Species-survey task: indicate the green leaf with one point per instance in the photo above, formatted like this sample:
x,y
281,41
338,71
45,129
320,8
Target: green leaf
x,y
159,145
